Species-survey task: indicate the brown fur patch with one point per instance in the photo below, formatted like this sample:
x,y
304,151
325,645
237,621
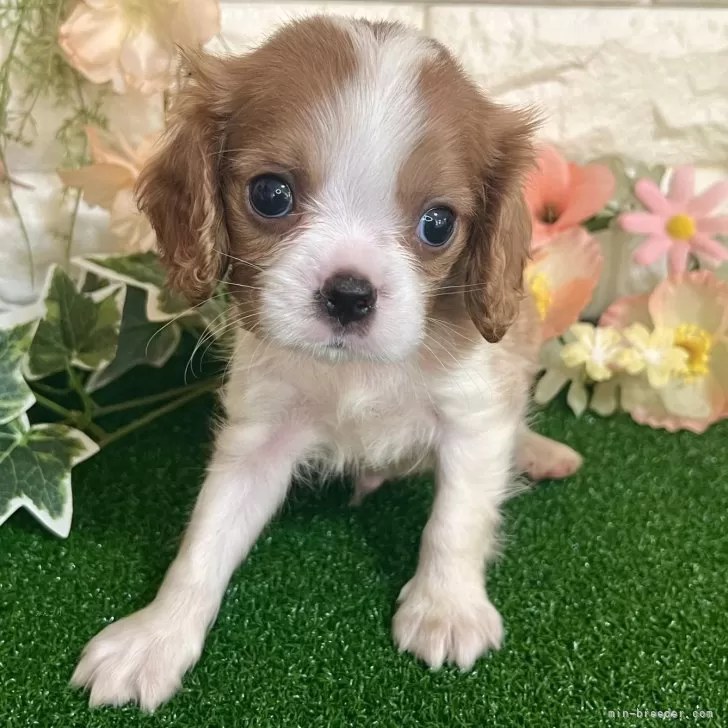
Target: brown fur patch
x,y
472,158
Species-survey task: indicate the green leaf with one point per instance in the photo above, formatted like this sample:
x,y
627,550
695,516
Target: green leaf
x,y
140,342
78,329
143,270
16,336
35,471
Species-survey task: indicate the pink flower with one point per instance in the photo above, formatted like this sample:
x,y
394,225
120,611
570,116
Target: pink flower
x,y
132,43
694,310
561,279
109,182
679,223
562,195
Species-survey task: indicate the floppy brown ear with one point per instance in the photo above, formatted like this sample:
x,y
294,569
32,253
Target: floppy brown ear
x,y
500,239
179,190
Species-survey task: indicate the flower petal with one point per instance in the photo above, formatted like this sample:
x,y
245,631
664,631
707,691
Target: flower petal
x,y
549,386
678,258
713,225
100,182
548,184
701,399
627,310
146,63
650,195
707,201
697,297
604,398
709,248
682,185
577,397
654,248
590,189
642,223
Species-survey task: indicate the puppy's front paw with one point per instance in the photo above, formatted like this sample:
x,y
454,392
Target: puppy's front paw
x,y
444,626
140,659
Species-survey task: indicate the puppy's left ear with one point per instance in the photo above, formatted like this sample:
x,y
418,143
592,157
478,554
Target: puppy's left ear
x,y
500,237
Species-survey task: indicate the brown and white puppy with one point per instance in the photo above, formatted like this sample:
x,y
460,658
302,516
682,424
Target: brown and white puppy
x,y
364,199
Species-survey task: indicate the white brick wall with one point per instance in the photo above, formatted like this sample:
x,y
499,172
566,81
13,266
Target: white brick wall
x,y
644,80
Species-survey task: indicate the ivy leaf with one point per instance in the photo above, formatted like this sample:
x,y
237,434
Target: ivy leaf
x,y
140,342
78,329
16,335
143,270
35,471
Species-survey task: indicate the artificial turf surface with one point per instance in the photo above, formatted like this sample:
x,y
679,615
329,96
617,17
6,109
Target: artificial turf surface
x,y
613,588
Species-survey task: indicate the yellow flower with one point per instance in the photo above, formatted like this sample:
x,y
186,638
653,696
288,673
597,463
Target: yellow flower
x,y
656,353
132,43
596,348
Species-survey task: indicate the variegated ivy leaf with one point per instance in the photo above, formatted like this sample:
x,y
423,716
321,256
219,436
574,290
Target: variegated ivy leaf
x,y
143,270
78,329
35,471
16,335
140,341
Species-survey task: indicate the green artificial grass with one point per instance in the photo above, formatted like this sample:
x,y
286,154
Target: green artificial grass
x,y
613,588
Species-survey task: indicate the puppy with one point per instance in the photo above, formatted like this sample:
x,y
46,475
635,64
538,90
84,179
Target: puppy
x,y
363,199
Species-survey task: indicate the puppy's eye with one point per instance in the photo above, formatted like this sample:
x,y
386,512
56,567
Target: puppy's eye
x,y
436,226
270,196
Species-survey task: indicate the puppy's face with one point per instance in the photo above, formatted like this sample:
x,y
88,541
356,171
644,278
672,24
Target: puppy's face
x,y
358,187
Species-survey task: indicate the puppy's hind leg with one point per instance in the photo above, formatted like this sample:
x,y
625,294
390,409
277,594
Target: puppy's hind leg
x,y
541,458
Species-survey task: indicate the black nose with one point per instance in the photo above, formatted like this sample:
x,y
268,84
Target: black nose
x,y
347,298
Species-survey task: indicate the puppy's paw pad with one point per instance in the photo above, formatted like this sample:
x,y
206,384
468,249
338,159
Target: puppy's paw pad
x,y
440,628
140,659
544,459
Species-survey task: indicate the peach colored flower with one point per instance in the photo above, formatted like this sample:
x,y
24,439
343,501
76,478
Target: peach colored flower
x,y
694,307
678,224
562,195
109,182
132,43
562,277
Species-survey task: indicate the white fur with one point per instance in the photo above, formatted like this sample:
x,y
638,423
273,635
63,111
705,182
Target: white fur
x,y
363,135
383,404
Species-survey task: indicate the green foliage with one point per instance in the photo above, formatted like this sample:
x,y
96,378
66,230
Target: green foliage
x,y
78,329
35,470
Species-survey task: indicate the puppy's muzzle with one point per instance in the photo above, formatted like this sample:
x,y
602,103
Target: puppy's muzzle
x,y
347,299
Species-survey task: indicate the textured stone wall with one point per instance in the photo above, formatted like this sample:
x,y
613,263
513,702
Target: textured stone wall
x,y
649,81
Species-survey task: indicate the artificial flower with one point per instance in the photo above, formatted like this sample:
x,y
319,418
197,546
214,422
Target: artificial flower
x,y
653,352
626,173
562,195
695,309
557,374
596,348
561,279
678,224
109,182
132,43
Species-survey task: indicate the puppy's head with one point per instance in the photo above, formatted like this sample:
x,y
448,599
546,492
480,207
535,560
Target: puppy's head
x,y
353,183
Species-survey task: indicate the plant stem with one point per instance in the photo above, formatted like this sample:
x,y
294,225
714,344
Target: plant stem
x,y
154,414
89,406
55,407
205,386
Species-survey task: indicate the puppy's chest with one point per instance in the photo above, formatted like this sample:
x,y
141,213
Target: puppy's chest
x,y
377,423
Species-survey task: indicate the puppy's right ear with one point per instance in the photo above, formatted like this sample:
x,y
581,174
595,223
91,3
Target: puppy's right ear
x,y
179,187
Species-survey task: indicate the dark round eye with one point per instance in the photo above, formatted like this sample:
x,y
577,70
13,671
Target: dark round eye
x,y
436,226
270,196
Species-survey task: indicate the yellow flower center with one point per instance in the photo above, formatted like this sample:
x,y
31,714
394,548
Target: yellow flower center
x,y
538,284
698,344
681,227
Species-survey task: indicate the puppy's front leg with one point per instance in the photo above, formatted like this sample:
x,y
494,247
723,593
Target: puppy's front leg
x,y
143,657
445,614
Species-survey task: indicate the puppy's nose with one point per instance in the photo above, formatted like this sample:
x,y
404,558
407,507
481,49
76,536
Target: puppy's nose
x,y
347,298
